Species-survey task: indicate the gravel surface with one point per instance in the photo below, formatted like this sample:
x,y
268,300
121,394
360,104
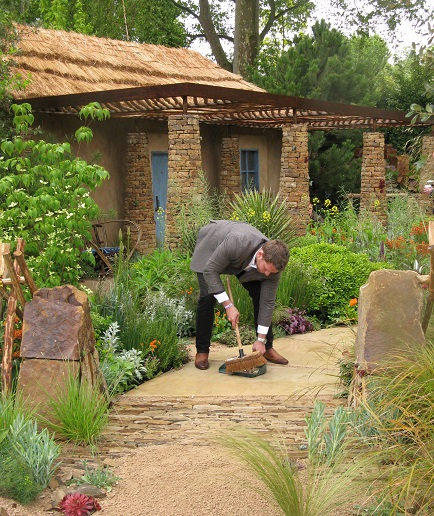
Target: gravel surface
x,y
178,480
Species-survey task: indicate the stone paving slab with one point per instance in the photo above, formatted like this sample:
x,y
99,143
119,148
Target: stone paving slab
x,y
313,367
190,407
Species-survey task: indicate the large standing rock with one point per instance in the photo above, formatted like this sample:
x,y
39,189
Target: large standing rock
x,y
57,324
390,313
58,340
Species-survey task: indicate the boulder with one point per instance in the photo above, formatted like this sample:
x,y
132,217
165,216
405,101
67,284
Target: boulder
x,y
41,381
57,324
389,317
58,340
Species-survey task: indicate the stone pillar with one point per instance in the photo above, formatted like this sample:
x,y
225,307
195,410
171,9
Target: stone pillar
x,y
427,171
139,206
294,173
230,181
185,168
373,180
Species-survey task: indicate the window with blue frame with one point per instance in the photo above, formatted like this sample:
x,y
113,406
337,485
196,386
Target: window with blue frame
x,y
249,169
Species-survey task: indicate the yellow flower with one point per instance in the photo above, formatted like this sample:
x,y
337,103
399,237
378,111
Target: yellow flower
x,y
327,203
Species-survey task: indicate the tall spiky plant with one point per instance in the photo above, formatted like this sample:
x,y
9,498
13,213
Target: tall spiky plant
x,y
265,211
204,204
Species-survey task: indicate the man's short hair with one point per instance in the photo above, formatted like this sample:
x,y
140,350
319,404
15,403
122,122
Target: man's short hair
x,y
276,252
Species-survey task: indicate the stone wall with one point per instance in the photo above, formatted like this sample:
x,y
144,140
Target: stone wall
x,y
230,182
373,180
294,173
185,169
139,206
427,171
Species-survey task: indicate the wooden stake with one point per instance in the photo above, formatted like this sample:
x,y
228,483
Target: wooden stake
x,y
9,343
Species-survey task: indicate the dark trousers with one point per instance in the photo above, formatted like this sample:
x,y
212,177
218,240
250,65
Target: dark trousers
x,y
205,313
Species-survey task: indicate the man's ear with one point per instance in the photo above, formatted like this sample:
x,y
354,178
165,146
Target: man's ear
x,y
260,254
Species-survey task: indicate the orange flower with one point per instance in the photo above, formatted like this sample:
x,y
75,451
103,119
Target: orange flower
x,y
422,248
18,334
353,302
154,344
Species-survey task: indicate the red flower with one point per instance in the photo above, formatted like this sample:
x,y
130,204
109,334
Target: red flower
x,y
78,504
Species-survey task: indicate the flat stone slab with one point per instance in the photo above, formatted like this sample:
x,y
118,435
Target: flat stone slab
x,y
312,370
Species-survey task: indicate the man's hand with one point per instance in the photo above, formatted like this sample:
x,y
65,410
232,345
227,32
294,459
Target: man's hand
x,y
259,346
233,315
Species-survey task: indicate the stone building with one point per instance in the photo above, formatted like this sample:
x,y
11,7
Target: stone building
x,y
176,115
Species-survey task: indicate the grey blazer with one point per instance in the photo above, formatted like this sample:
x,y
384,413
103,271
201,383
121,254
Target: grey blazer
x,y
227,247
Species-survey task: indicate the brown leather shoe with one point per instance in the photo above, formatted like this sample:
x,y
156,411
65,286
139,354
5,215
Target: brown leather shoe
x,y
201,361
273,356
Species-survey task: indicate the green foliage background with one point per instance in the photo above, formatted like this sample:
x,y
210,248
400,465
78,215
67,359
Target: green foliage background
x,y
335,276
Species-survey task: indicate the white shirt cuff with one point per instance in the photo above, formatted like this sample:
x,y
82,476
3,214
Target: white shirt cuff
x,y
222,297
263,329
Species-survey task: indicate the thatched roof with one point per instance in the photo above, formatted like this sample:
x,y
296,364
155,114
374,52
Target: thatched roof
x,y
69,70
63,63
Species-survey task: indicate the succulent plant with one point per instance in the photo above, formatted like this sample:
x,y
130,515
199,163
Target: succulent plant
x,y
78,504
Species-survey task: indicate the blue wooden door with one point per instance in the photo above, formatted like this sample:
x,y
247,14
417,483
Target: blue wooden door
x,y
159,163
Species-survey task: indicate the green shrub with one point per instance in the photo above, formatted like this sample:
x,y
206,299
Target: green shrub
x,y
26,456
164,270
45,196
122,369
16,478
36,448
335,276
11,406
297,289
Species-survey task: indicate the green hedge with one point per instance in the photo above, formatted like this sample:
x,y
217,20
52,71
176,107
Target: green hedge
x,y
334,276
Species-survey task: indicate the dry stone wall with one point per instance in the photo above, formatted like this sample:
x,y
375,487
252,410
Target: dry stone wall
x,y
185,169
427,172
294,173
373,180
230,182
139,206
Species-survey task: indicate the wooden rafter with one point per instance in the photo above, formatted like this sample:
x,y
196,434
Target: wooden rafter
x,y
220,105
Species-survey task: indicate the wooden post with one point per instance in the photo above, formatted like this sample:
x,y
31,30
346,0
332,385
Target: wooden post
x,y
19,257
14,296
9,343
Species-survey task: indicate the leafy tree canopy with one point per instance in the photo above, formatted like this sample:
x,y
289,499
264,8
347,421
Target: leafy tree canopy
x,y
325,66
406,83
219,22
147,21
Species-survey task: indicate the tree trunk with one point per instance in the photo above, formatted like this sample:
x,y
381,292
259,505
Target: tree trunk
x,y
212,37
246,36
